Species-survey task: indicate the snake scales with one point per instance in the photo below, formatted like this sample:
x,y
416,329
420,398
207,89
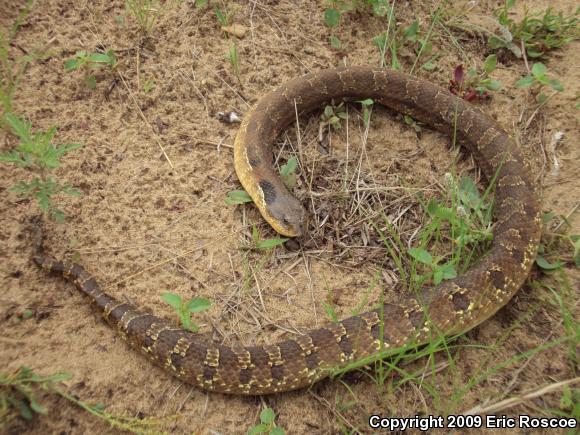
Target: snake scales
x,y
451,307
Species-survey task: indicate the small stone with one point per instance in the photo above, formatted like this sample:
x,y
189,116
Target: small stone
x,y
236,30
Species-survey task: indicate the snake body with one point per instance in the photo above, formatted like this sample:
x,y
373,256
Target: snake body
x,y
451,307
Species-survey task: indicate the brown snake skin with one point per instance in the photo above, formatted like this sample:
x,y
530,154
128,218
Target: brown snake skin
x,y
454,306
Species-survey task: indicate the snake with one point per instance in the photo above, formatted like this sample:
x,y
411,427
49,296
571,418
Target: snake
x,y
454,306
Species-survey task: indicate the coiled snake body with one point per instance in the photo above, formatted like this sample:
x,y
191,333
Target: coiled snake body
x,y
453,306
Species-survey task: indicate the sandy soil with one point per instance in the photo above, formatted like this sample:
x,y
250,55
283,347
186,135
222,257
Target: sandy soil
x,y
149,223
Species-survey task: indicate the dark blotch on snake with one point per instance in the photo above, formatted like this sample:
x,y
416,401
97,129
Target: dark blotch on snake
x,y
269,191
497,278
460,301
417,319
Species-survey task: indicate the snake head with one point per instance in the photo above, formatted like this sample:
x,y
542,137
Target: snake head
x,y
287,216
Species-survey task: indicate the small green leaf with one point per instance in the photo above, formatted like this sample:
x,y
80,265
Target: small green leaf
x,y
267,416
270,243
277,431
490,63
12,157
73,64
449,271
334,42
445,214
468,192
329,311
546,265
539,70
328,111
236,197
547,217
334,121
367,102
331,17
19,127
493,85
100,58
534,53
421,255
524,82
65,148
556,85
288,172
172,299
43,199
495,42
437,276
260,428
37,407
289,167
196,305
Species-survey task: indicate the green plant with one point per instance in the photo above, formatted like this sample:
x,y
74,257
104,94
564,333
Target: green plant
x,y
538,32
475,85
233,58
148,85
333,13
457,230
437,272
237,197
11,70
393,41
185,309
264,244
267,424
329,308
558,247
288,172
332,115
146,13
539,78
414,124
10,73
18,398
37,153
90,63
223,17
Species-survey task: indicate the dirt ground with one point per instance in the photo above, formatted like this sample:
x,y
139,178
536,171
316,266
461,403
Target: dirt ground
x,y
152,221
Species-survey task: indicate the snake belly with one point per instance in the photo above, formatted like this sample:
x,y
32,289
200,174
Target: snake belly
x,y
451,307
